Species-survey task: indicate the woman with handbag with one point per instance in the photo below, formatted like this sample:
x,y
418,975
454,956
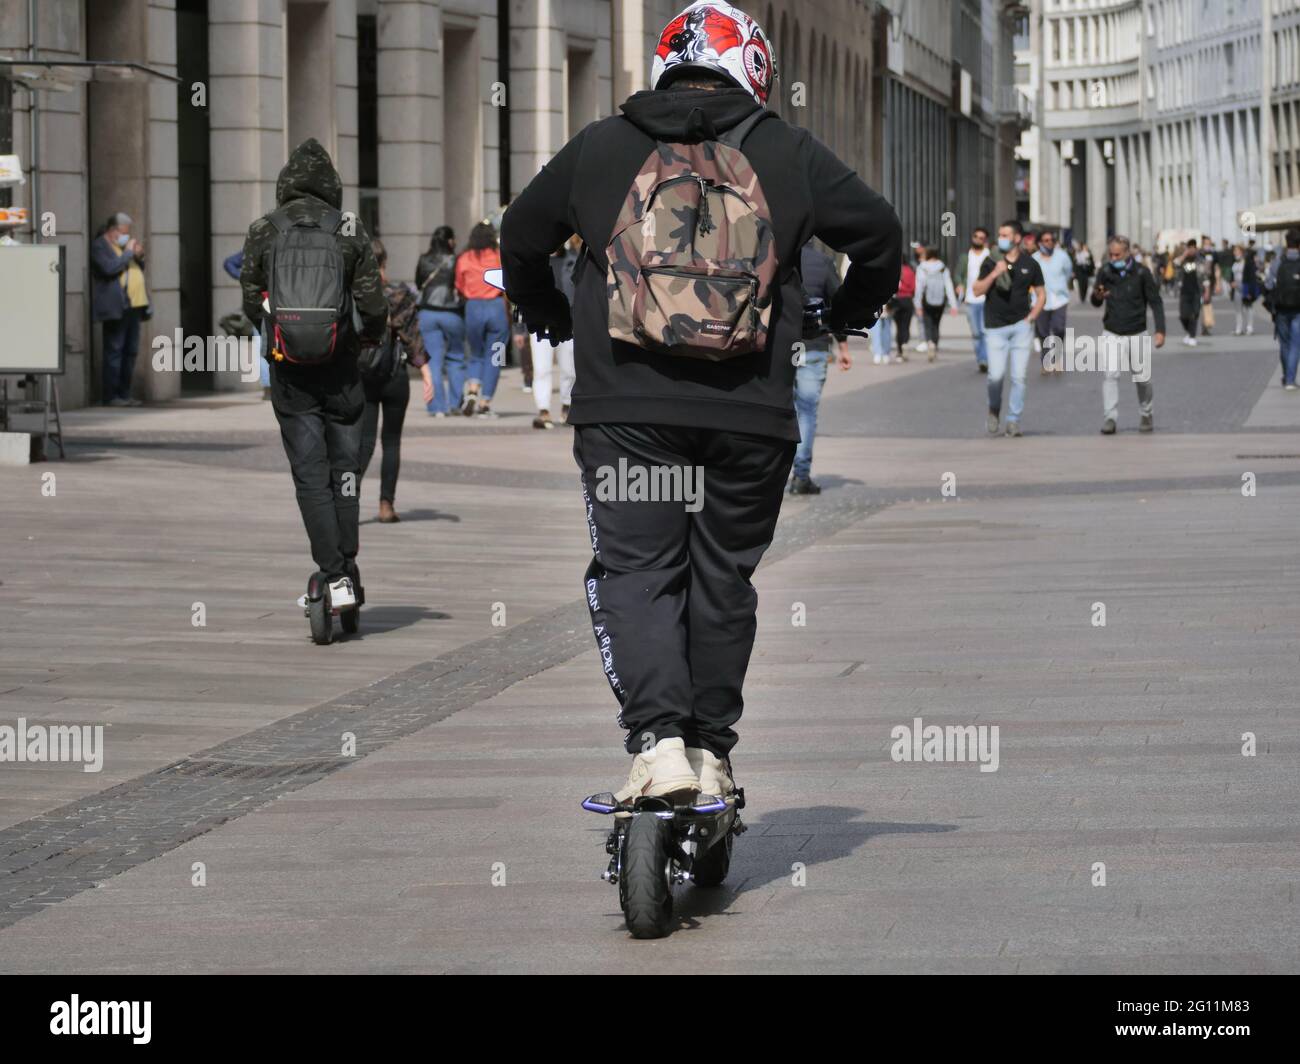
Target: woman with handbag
x,y
442,321
388,385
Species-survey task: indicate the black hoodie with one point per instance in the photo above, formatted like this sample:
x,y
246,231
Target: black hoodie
x,y
810,193
307,186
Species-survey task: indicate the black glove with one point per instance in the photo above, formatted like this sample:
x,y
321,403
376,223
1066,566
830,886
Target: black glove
x,y
551,318
839,317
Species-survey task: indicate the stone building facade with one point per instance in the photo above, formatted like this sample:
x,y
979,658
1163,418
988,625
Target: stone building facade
x,y
435,111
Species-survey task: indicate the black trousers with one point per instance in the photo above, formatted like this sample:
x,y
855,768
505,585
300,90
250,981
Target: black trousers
x,y
392,396
668,586
903,311
932,316
319,409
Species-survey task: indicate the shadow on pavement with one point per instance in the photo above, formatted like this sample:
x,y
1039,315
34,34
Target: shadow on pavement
x,y
417,515
807,836
376,620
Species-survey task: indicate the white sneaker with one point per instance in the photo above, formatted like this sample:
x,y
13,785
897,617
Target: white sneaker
x,y
876,360
714,772
341,593
1192,341
662,770
920,348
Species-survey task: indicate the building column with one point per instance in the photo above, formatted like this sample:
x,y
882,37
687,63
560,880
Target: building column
x,y
537,71
1097,200
410,106
246,100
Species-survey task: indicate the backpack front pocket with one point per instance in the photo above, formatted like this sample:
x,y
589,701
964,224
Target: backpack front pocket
x,y
712,316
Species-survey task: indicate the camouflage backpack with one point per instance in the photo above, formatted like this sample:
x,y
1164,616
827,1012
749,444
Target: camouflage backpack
x,y
692,258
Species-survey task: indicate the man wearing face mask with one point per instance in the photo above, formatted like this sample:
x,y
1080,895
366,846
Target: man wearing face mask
x,y
1014,289
1058,271
968,268
120,300
1126,288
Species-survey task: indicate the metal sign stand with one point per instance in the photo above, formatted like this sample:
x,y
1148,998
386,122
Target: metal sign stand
x,y
47,405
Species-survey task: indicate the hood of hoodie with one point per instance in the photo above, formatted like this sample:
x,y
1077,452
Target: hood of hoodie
x,y
685,116
309,172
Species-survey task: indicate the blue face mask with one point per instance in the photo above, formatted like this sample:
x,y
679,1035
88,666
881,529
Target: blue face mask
x,y
1004,244
123,239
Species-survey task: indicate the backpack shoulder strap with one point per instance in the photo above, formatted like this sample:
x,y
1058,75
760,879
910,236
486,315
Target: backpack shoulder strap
x,y
280,219
735,136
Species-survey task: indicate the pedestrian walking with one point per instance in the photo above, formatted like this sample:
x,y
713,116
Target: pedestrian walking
x,y
968,270
1083,271
669,378
1282,288
1193,293
934,294
820,282
1245,289
1013,285
901,308
549,355
120,301
1127,289
487,323
388,385
442,322
1058,270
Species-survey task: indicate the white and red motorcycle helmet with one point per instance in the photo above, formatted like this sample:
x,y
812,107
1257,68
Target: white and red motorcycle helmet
x,y
711,35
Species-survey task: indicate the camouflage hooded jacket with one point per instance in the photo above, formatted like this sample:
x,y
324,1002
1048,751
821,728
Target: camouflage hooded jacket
x,y
307,186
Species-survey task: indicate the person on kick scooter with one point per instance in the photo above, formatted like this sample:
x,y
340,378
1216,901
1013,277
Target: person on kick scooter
x,y
693,205
307,265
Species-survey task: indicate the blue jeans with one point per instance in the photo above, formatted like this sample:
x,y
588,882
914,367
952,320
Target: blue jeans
x,y
444,341
486,326
809,379
1010,343
1288,334
121,341
975,315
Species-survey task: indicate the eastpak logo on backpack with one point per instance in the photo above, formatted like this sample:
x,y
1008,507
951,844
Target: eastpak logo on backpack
x,y
692,257
307,288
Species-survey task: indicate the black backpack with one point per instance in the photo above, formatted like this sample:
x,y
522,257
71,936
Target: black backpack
x,y
1286,293
307,288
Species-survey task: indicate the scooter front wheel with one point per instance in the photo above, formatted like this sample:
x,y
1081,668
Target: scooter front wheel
x,y
645,885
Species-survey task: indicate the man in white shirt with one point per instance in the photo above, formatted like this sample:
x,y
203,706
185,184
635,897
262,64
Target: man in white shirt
x,y
968,269
1058,271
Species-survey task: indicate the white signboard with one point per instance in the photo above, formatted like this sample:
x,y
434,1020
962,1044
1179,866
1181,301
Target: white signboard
x,y
32,308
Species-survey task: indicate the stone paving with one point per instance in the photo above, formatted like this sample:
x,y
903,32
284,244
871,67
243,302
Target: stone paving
x,y
1119,744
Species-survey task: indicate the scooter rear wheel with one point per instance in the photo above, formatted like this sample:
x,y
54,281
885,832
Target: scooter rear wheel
x,y
645,888
351,620
321,619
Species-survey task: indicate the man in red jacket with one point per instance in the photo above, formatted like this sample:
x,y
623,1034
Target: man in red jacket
x,y
669,585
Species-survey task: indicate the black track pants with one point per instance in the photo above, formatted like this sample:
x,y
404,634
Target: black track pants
x,y
671,603
319,409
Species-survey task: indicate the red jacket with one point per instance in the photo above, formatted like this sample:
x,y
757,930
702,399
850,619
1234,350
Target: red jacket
x,y
906,284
